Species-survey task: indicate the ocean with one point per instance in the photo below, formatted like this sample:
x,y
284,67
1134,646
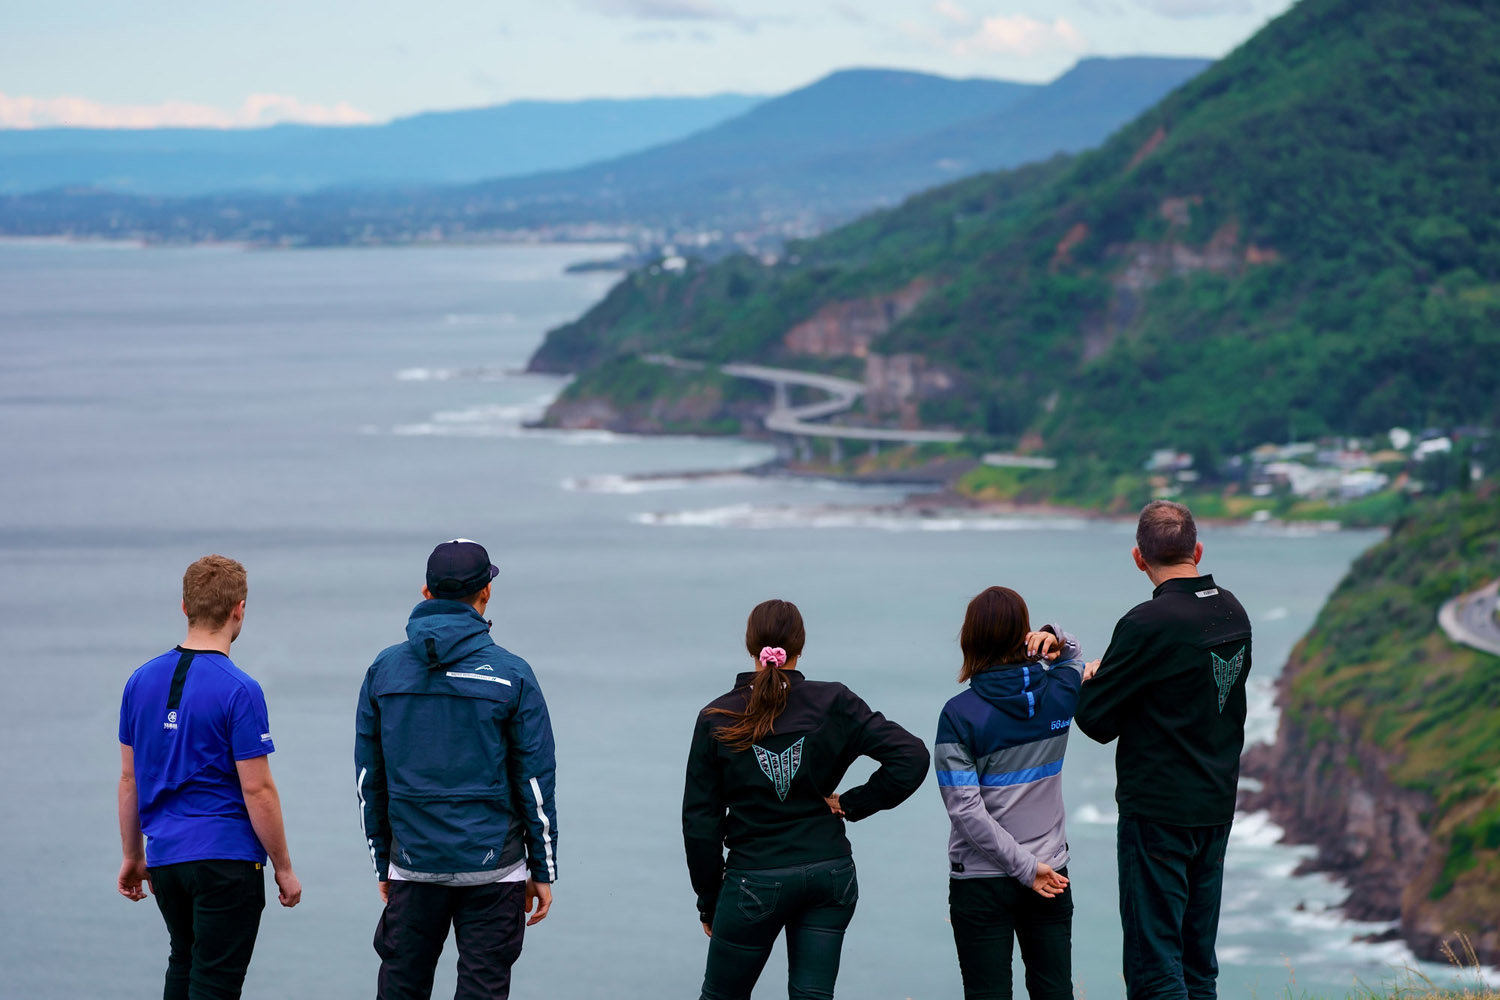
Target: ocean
x,y
326,416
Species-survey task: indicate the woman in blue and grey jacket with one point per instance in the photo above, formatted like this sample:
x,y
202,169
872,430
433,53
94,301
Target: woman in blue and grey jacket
x,y
999,759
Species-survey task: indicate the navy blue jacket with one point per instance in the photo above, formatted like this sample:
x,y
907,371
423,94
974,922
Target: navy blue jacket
x,y
453,752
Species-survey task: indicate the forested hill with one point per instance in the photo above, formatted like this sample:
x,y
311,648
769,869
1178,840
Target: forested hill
x,y
1305,235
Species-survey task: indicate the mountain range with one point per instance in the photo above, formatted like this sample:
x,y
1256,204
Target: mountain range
x,y
844,144
855,140
520,137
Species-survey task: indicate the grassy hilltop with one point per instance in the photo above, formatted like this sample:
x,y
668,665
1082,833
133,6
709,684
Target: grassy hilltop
x,y
1305,236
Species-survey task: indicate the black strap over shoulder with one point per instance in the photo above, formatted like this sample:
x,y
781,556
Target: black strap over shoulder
x,y
179,677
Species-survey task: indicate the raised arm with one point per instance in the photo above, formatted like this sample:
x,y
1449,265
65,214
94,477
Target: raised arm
x,y
903,762
1121,674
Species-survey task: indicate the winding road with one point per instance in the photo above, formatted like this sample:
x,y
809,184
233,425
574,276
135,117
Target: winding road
x,y
1470,619
794,420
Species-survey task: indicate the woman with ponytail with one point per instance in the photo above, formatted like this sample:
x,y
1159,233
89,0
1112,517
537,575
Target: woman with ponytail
x,y
762,776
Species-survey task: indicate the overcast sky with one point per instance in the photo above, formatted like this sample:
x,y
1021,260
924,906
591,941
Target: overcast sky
x,y
158,62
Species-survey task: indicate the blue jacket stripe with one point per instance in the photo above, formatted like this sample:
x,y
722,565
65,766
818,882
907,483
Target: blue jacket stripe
x,y
1020,777
952,778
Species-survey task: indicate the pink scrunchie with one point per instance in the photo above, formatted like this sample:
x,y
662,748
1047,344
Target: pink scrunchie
x,y
772,656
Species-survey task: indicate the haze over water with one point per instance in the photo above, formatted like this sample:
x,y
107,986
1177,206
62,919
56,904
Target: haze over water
x,y
326,417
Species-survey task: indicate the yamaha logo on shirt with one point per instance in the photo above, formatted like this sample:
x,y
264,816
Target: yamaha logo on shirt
x,y
171,722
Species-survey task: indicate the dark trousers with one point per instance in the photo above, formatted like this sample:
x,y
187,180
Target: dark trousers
x,y
814,902
1171,879
988,913
488,923
212,910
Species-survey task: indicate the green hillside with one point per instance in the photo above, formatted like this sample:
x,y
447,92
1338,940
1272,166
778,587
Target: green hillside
x,y
1305,238
1378,702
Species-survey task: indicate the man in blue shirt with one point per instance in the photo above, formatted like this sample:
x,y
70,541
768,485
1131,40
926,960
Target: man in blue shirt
x,y
196,782
454,771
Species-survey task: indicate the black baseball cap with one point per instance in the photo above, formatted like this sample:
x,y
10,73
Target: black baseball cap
x,y
459,568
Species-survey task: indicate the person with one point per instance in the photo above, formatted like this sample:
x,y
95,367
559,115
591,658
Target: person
x,y
1171,688
454,774
999,758
195,780
762,771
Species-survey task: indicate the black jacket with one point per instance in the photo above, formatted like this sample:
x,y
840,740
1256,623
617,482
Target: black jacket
x,y
1171,686
766,803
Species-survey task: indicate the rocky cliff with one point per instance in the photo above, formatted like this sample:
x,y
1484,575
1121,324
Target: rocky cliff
x,y
1388,753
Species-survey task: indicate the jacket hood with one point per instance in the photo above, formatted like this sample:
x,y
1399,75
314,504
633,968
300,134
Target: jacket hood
x,y
1014,689
443,632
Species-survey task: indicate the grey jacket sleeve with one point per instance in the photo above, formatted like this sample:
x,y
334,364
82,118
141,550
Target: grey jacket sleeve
x,y
1072,653
958,780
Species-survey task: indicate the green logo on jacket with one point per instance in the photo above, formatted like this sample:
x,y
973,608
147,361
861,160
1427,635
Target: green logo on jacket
x,y
1226,672
780,768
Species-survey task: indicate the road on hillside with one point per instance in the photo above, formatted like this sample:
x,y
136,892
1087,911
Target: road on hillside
x,y
1470,619
794,420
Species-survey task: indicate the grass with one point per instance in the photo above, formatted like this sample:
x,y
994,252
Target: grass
x,y
1417,985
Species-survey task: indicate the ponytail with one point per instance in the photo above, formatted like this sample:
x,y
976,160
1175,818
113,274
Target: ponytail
x,y
773,635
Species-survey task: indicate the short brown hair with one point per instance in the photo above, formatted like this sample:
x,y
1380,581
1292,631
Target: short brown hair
x,y
1166,533
994,631
211,588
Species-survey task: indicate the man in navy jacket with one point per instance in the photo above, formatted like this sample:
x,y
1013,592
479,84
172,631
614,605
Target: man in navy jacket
x,y
454,770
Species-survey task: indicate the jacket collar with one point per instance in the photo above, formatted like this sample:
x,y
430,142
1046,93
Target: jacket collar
x,y
744,679
1185,585
443,606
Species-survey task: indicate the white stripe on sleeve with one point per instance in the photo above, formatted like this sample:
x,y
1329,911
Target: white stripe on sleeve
x,y
541,814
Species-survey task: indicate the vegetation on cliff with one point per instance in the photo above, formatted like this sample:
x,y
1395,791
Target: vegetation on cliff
x,y
1302,240
1388,756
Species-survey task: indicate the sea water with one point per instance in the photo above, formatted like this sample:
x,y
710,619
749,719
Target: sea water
x,y
326,416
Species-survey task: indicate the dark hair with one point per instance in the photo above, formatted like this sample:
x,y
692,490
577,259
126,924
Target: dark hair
x,y
994,631
211,588
773,623
1166,533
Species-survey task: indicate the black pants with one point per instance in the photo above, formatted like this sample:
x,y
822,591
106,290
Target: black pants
x,y
814,902
488,923
987,913
1171,879
212,910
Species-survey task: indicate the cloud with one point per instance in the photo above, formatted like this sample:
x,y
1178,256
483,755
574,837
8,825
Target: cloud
x,y
1196,8
666,10
850,13
954,14
21,112
966,33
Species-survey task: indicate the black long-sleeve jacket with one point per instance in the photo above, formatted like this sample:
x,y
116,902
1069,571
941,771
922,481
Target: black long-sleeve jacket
x,y
767,803
1171,686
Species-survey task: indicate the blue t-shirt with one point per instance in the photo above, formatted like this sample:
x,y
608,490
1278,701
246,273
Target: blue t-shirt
x,y
191,805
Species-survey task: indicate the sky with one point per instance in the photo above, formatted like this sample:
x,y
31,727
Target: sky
x,y
148,63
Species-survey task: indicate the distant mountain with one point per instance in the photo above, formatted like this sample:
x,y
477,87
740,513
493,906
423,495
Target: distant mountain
x,y
1302,240
520,137
856,140
793,164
